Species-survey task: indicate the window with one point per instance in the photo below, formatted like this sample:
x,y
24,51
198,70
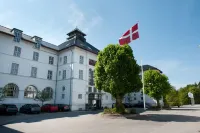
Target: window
x,y
14,68
95,90
64,74
50,74
92,62
65,59
141,98
17,35
59,73
79,96
17,51
99,91
35,56
80,74
91,77
134,94
33,72
38,43
89,89
63,96
81,60
63,88
30,92
60,59
106,97
48,91
135,98
51,59
11,90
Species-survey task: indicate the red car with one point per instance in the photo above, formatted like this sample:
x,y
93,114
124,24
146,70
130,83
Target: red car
x,y
49,108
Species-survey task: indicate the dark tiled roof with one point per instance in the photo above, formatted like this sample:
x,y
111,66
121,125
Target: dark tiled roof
x,y
27,37
81,44
148,67
76,30
72,42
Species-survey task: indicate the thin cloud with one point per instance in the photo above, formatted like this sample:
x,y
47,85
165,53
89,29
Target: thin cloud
x,y
78,18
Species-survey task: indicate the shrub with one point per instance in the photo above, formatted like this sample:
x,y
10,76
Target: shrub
x,y
110,111
105,107
130,111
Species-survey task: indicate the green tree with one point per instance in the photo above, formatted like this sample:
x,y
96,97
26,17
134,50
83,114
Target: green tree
x,y
156,84
173,98
184,95
117,73
43,96
196,92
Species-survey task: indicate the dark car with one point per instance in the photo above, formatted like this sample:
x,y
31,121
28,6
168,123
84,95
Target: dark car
x,y
141,105
126,105
8,109
63,107
30,108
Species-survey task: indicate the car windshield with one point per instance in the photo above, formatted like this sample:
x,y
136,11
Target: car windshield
x,y
34,105
11,106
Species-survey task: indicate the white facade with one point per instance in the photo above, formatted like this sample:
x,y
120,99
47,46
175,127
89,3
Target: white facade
x,y
66,89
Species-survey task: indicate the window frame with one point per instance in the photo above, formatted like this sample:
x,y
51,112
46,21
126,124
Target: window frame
x,y
80,96
50,75
64,74
89,89
65,60
81,59
81,74
33,72
17,35
14,69
62,96
33,92
17,51
35,56
51,60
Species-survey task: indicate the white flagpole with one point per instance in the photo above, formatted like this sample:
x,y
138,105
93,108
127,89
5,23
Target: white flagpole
x,y
143,86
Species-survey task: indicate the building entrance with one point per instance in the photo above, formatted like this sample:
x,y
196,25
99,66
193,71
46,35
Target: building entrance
x,y
94,101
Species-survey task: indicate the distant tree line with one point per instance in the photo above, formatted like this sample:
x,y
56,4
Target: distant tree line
x,y
180,97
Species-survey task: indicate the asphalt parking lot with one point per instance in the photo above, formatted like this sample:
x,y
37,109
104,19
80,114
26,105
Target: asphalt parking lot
x,y
178,120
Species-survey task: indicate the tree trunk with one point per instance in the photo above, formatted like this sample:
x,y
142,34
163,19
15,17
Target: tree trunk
x,y
158,103
119,105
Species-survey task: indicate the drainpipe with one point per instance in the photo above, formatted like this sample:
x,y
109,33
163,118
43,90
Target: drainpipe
x,y
56,79
70,98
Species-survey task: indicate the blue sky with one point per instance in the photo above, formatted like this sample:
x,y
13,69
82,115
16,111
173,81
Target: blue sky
x,y
169,29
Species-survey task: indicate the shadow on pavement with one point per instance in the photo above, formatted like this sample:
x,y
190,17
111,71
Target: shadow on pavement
x,y
4,129
182,109
166,118
29,118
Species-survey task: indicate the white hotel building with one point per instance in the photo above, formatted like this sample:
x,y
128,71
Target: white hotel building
x,y
29,64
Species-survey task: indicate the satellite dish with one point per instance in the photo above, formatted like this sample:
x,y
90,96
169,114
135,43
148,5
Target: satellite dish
x,y
190,95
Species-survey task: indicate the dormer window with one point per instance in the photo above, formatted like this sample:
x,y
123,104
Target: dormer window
x,y
38,42
17,34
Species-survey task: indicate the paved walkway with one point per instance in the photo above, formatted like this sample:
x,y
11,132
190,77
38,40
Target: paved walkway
x,y
178,120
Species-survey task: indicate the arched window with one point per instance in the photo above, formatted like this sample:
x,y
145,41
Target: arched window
x,y
30,92
11,90
49,92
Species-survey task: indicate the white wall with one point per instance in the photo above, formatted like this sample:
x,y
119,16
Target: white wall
x,y
25,62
